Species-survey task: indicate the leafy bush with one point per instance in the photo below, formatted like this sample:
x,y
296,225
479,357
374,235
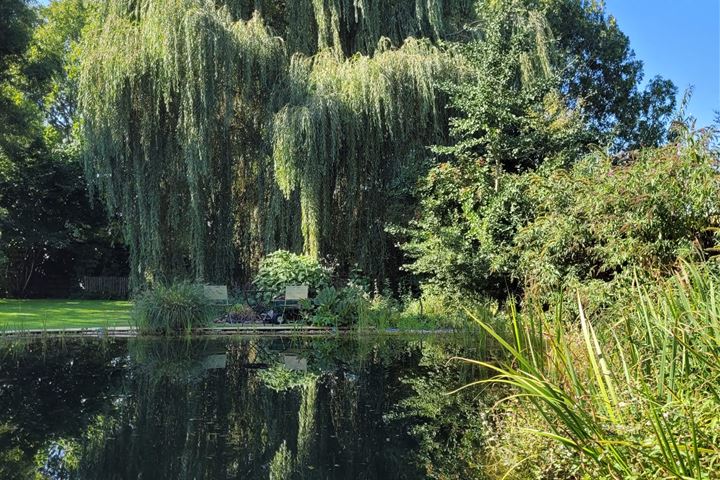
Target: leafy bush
x,y
462,241
382,312
600,223
430,311
283,268
353,306
588,227
336,307
173,308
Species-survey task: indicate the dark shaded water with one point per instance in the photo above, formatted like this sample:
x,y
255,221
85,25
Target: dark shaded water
x,y
370,408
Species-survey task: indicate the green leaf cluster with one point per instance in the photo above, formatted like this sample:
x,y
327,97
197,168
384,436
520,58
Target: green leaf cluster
x,y
605,221
282,268
333,307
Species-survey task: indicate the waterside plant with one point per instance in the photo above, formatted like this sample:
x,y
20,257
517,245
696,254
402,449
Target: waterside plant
x,y
171,308
634,397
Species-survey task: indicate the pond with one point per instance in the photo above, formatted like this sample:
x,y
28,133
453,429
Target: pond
x,y
277,408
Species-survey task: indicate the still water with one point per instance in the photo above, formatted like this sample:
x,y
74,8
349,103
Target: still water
x,y
235,408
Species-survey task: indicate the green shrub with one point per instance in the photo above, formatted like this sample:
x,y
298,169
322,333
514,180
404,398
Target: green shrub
x,y
430,311
382,312
353,306
462,240
590,226
283,268
173,308
336,307
599,224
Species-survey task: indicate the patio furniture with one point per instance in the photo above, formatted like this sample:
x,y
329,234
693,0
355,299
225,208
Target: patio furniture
x,y
217,294
286,307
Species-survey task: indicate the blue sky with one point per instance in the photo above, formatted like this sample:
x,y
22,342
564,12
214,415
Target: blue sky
x,y
679,40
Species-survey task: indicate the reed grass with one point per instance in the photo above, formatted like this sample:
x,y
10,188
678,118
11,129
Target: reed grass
x,y
634,397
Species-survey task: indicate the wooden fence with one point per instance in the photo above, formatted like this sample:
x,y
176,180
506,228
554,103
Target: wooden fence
x,y
110,287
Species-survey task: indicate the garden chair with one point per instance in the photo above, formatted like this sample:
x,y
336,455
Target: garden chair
x,y
217,294
288,305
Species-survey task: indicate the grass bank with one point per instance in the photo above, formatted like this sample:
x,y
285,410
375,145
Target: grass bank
x,y
91,314
51,314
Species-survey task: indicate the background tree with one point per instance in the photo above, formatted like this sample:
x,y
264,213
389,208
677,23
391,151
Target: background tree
x,y
51,63
16,23
603,76
50,233
509,118
551,82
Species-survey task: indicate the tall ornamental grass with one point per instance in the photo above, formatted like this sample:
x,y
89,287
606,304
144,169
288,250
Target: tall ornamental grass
x,y
173,308
637,397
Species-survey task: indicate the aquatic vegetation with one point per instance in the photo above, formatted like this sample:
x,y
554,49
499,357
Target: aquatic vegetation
x,y
336,307
632,397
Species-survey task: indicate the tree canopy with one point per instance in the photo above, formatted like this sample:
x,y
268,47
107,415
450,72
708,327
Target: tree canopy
x,y
47,226
219,132
192,117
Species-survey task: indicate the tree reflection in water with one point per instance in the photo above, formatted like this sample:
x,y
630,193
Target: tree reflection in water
x,y
275,408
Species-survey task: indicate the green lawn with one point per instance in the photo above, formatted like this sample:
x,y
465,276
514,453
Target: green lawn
x,y
42,314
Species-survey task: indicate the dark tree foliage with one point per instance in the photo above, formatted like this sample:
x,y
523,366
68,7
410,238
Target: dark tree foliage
x,y
49,234
603,76
17,19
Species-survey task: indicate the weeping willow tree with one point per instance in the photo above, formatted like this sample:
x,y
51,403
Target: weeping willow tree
x,y
159,87
351,26
347,138
214,138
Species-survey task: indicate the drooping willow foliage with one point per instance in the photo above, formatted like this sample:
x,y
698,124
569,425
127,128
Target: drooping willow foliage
x,y
351,26
347,138
214,139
